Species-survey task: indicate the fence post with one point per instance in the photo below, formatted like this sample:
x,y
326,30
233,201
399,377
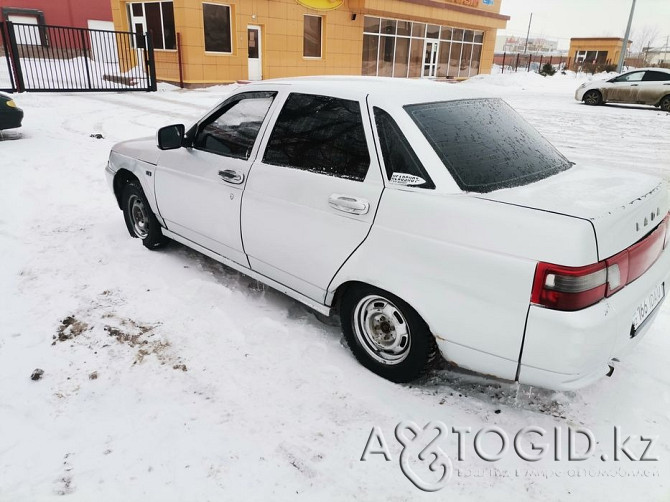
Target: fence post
x,y
503,63
179,61
86,59
150,62
530,60
5,45
14,57
516,66
541,62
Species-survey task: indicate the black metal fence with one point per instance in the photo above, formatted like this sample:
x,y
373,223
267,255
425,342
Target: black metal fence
x,y
45,58
515,62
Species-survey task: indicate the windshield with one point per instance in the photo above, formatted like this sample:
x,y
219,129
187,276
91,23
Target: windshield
x,y
485,144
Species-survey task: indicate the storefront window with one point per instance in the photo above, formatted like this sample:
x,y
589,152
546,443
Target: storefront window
x,y
404,28
386,56
416,58
418,30
371,24
401,57
406,49
370,46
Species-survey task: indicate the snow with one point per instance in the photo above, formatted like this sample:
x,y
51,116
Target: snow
x,y
210,387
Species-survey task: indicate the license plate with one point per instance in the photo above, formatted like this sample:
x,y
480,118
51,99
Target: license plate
x,y
644,310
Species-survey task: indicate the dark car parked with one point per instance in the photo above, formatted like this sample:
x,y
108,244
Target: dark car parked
x,y
10,114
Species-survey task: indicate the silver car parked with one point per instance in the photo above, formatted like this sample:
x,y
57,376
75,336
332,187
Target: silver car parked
x,y
645,86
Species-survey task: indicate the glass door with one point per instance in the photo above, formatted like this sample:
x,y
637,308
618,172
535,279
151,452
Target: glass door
x,y
430,59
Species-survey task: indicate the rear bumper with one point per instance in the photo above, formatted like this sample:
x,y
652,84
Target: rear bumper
x,y
569,350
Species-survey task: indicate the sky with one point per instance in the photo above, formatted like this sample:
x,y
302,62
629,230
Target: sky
x,y
562,19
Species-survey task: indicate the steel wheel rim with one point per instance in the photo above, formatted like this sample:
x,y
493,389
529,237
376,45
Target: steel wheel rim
x,y
591,98
138,216
382,330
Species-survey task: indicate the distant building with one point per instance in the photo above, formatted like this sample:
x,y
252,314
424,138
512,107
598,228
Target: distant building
x,y
595,51
518,44
658,56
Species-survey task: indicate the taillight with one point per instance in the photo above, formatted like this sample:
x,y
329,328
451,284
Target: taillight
x,y
574,288
569,288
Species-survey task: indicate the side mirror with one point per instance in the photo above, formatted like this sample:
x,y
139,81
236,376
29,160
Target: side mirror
x,y
170,137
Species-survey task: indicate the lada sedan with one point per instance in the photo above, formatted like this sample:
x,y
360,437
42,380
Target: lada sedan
x,y
431,219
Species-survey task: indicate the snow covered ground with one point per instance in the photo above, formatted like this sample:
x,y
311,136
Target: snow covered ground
x,y
168,377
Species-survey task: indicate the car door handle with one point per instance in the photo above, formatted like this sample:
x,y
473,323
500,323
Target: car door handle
x,y
634,85
231,176
348,204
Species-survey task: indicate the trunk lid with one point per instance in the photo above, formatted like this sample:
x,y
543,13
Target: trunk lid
x,y
623,207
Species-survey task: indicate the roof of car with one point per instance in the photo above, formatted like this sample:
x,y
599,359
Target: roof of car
x,y
663,70
402,90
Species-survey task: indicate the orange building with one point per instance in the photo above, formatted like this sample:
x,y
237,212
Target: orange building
x,y
595,51
224,41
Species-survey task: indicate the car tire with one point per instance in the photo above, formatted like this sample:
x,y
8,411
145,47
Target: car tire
x,y
140,220
593,98
385,334
665,103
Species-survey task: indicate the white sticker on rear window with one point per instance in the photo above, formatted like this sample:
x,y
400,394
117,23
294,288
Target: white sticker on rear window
x,y
406,179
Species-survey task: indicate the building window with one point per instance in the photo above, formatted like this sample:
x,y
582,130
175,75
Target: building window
x,y
218,33
157,18
407,49
311,47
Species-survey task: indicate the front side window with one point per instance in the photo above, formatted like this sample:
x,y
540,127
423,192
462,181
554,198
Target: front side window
x,y
232,130
485,144
402,165
156,18
630,77
321,134
311,47
217,26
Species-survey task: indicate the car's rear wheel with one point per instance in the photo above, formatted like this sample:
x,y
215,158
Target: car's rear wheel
x,y
140,220
386,334
665,104
593,98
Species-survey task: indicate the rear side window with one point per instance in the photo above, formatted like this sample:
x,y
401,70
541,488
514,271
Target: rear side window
x,y
485,144
656,76
402,165
321,134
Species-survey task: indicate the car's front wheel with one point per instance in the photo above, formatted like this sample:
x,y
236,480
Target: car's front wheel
x,y
386,334
593,98
140,220
665,104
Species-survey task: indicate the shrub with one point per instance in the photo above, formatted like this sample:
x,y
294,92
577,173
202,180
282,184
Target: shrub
x,y
547,69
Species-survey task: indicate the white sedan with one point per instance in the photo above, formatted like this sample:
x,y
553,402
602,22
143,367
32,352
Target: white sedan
x,y
644,86
427,217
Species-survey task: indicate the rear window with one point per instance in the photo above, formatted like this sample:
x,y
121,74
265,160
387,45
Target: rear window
x,y
485,144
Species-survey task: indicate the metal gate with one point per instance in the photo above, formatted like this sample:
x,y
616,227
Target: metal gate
x,y
45,58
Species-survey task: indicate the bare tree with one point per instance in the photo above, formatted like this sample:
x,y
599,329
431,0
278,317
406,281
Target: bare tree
x,y
643,39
